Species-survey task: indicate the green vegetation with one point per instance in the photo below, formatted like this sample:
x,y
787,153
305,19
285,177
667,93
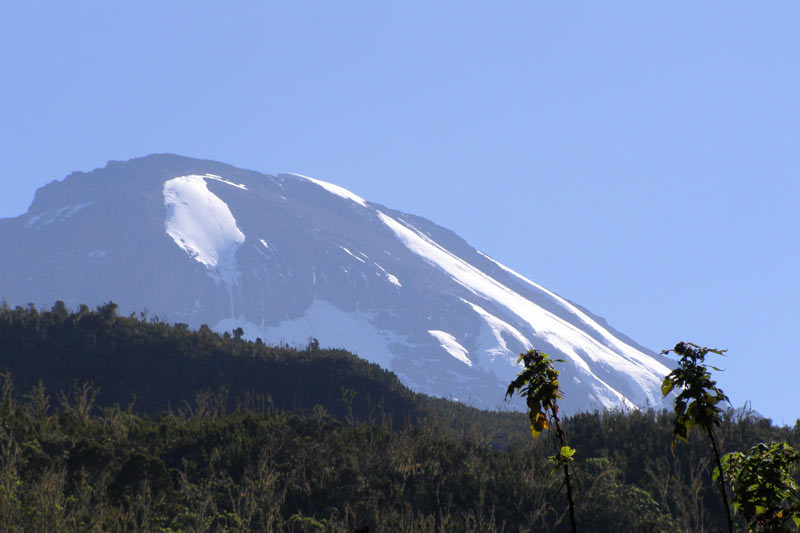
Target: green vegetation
x,y
764,490
185,430
538,383
160,366
696,404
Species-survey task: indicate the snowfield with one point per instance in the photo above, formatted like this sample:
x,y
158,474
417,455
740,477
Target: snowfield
x,y
288,258
202,225
451,346
568,339
614,373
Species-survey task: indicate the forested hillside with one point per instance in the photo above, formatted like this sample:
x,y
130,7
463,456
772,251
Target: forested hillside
x,y
129,423
160,366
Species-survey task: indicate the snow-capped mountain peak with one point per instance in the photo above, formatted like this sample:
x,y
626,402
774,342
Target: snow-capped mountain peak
x,y
286,260
334,189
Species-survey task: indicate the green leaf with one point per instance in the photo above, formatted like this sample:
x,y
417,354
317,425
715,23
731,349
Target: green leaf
x,y
566,451
540,423
796,520
667,386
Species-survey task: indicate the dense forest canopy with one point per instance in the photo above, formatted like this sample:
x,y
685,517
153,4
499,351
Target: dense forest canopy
x,y
130,423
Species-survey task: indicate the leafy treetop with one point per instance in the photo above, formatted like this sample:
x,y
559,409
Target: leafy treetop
x,y
538,383
764,489
696,403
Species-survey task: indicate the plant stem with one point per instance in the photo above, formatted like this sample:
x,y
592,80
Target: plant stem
x,y
721,481
562,440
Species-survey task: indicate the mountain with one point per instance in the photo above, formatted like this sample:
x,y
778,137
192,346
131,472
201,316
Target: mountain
x,y
288,258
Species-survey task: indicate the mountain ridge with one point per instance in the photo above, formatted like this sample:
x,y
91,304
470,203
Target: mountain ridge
x,y
287,257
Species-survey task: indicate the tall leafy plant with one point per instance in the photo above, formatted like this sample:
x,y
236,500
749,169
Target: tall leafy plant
x,y
764,490
538,384
696,403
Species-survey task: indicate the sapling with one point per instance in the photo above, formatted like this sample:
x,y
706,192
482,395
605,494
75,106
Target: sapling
x,y
538,384
696,403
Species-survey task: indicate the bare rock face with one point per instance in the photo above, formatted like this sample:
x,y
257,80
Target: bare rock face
x,y
288,258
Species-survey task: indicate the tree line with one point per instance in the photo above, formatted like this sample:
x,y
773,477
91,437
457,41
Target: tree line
x,y
129,423
763,478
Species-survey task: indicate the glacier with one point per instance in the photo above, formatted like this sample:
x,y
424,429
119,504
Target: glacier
x,y
202,225
289,258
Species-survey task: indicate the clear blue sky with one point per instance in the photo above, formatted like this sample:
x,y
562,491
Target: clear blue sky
x,y
639,158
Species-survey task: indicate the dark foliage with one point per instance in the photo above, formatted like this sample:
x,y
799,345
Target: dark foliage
x,y
538,384
232,435
765,492
162,365
696,405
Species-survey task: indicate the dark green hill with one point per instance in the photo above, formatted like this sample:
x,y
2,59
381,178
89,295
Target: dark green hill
x,y
157,366
163,366
231,435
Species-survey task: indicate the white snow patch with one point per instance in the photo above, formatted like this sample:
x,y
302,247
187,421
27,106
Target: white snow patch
x,y
335,189
498,327
75,208
223,180
61,211
34,219
393,280
60,214
451,345
352,254
567,338
202,225
627,350
330,325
